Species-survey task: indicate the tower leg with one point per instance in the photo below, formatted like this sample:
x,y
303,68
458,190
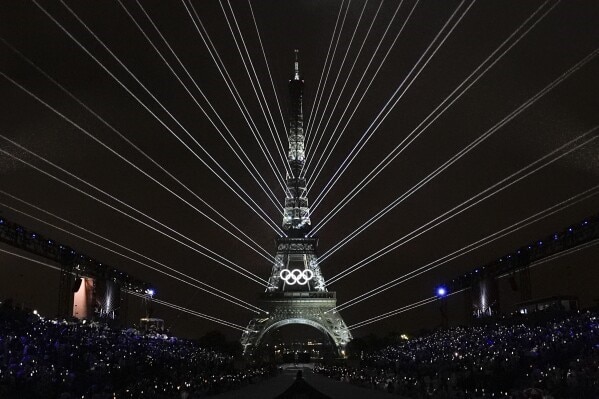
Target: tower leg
x,y
285,308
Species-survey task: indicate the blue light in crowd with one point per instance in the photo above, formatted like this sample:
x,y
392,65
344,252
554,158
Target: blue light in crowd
x,y
441,291
150,292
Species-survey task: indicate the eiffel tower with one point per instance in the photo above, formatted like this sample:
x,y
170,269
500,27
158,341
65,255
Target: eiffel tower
x,y
296,291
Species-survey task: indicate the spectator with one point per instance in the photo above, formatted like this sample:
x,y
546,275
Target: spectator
x,y
42,358
554,359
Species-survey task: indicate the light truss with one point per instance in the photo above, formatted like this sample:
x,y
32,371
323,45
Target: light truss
x,y
580,197
186,278
262,253
203,251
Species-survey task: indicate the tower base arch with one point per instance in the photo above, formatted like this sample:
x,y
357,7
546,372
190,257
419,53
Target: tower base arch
x,y
315,309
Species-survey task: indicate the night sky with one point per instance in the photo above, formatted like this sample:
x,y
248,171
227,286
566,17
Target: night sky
x,y
567,34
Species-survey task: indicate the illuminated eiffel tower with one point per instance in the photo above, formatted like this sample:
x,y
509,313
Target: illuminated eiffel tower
x,y
296,292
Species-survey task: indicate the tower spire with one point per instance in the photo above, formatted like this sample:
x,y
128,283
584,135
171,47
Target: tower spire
x,y
296,76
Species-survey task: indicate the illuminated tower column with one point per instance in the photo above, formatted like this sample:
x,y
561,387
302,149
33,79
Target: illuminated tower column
x,y
296,216
296,252
296,291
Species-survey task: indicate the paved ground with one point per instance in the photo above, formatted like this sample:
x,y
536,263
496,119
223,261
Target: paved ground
x,y
273,387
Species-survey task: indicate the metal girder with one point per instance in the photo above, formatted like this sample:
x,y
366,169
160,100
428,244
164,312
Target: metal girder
x,y
290,308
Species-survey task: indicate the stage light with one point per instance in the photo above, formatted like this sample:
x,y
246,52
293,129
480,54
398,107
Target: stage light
x,y
441,291
150,292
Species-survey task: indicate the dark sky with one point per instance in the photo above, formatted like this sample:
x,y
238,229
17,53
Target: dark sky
x,y
565,36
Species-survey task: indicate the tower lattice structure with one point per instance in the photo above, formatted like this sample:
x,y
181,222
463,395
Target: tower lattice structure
x,y
296,292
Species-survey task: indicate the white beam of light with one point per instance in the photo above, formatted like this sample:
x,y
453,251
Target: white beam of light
x,y
466,149
403,87
324,68
193,312
276,135
255,174
433,299
380,42
517,176
348,75
473,246
263,107
314,176
402,309
312,149
394,312
255,208
272,83
259,250
209,253
186,277
189,311
262,214
224,73
314,112
332,89
559,255
434,115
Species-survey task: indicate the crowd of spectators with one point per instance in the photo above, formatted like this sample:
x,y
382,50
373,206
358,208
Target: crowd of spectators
x,y
512,358
46,358
516,358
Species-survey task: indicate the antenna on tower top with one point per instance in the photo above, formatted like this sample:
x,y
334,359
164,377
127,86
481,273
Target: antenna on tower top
x,y
296,65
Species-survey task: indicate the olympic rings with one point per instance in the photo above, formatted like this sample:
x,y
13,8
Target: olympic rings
x,y
296,276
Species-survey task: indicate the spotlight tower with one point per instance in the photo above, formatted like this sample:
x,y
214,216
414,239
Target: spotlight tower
x,y
296,291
